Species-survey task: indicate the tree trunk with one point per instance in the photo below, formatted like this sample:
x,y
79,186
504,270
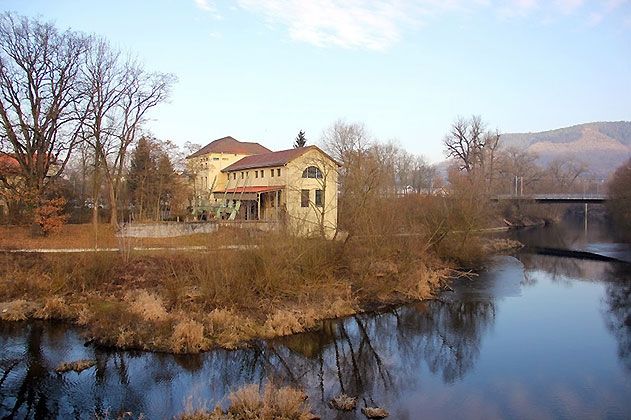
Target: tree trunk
x,y
113,205
95,195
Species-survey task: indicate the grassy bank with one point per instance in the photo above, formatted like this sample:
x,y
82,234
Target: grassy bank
x,y
398,250
187,302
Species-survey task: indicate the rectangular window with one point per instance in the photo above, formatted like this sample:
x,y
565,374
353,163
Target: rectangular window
x,y
272,172
215,158
263,173
278,172
319,198
256,174
304,198
241,175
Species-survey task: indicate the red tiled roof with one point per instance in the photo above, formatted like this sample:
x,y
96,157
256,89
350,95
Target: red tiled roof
x,y
9,165
231,145
266,160
254,189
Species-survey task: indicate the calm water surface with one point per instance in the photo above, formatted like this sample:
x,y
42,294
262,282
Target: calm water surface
x,y
531,337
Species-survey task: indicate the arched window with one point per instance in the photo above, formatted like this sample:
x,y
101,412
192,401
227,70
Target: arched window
x,y
312,172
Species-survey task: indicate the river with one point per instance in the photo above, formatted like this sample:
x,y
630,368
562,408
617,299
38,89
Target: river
x,y
532,336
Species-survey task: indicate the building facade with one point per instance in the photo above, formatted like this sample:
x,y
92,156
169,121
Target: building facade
x,y
205,166
295,188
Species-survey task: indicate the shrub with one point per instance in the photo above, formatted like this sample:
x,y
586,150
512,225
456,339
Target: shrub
x,y
49,217
147,305
188,337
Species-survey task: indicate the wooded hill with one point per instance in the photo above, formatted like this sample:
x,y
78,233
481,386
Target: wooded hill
x,y
603,146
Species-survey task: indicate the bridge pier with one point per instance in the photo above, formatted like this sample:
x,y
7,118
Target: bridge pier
x,y
585,217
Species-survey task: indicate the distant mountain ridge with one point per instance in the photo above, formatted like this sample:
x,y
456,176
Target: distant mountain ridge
x,y
603,146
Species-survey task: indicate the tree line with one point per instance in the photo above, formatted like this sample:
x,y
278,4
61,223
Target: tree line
x,y
71,104
494,168
62,92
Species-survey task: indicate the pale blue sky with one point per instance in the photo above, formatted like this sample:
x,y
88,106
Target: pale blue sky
x,y
262,70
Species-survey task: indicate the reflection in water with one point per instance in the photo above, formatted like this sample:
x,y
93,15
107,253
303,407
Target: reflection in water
x,y
569,235
563,270
618,312
372,356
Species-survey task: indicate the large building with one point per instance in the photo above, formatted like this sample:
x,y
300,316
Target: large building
x,y
295,188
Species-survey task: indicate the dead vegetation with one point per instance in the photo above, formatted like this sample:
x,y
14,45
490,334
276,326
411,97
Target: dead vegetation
x,y
187,302
343,402
76,366
375,412
245,285
248,403
498,245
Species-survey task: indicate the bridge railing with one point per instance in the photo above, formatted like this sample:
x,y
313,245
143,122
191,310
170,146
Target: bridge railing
x,y
553,197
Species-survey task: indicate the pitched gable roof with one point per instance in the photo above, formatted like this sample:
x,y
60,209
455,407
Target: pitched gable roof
x,y
231,145
266,160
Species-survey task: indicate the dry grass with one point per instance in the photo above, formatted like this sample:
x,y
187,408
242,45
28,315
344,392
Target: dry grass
x,y
375,412
497,245
77,366
54,307
70,236
344,402
248,403
281,323
15,310
188,337
186,302
147,305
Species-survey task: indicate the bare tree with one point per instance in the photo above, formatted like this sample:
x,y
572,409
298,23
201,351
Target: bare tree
x,y
620,204
470,144
42,106
464,141
517,163
562,175
488,156
422,176
413,172
345,141
474,149
104,85
121,94
192,169
367,174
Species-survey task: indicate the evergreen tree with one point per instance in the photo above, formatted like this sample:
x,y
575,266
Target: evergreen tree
x,y
165,186
301,140
142,176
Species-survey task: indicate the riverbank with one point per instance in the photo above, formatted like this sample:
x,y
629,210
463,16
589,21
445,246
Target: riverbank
x,y
415,361
190,301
